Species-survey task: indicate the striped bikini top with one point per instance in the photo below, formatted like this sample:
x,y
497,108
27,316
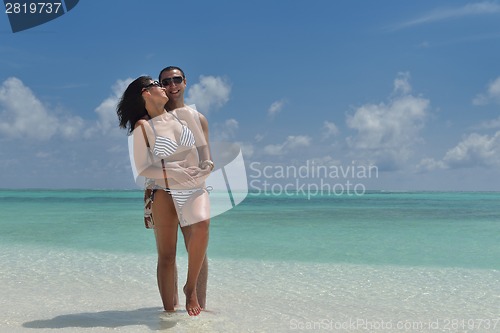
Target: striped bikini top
x,y
164,147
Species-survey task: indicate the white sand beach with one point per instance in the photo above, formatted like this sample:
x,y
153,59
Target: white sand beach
x,y
70,291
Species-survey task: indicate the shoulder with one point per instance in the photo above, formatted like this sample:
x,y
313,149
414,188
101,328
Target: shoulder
x,y
197,114
191,110
140,122
203,120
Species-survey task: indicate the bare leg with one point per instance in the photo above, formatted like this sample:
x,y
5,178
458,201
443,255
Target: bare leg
x,y
197,247
197,209
201,285
166,223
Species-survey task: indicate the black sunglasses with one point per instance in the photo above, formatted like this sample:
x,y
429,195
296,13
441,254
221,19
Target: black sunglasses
x,y
169,80
152,84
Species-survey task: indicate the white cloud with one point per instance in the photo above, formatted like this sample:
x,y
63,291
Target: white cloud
x,y
474,9
232,124
329,129
210,92
274,149
494,123
387,133
226,131
402,83
298,141
259,137
292,142
325,160
247,149
473,151
492,94
107,121
41,131
275,108
71,126
429,164
25,116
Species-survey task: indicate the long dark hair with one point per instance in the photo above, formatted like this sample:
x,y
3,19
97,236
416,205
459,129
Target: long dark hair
x,y
132,106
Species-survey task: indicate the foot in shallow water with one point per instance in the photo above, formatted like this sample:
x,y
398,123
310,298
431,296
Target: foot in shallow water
x,y
172,308
192,306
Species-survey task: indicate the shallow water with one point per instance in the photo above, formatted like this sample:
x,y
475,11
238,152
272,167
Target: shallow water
x,y
81,261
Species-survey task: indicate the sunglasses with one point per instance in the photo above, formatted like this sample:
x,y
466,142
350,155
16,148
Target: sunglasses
x,y
169,80
152,84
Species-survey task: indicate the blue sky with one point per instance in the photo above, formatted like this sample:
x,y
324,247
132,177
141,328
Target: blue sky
x,y
410,87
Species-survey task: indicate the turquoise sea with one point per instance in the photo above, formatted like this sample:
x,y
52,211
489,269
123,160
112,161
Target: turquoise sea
x,y
80,260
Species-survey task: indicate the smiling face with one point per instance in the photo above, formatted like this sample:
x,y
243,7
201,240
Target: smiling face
x,y
174,83
156,91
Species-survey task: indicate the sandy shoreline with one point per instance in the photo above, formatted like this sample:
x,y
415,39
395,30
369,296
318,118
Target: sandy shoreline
x,y
99,292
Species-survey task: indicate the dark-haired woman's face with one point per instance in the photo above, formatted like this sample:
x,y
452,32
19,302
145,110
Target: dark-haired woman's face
x,y
155,90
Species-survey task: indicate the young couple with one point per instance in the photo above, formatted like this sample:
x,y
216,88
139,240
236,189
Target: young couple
x,y
171,150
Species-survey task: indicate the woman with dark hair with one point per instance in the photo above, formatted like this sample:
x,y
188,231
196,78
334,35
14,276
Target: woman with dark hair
x,y
166,152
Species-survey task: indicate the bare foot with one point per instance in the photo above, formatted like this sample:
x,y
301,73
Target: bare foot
x,y
192,306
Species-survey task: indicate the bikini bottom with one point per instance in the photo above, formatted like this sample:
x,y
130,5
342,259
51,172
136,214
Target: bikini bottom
x,y
181,197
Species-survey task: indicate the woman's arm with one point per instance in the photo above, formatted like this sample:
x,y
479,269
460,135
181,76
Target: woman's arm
x,y
204,150
145,164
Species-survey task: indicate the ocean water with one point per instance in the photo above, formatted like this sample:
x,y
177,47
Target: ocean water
x,y
82,261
